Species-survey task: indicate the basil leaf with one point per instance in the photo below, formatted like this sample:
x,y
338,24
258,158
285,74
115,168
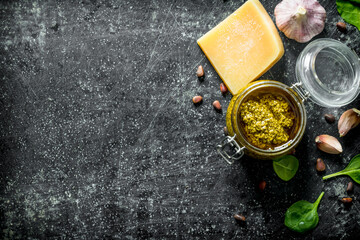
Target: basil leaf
x,y
286,167
349,11
352,170
302,215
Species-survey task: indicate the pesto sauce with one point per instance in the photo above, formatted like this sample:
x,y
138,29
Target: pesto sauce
x,y
266,120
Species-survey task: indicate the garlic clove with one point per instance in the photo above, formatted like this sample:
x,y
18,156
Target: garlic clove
x,y
300,20
328,144
348,120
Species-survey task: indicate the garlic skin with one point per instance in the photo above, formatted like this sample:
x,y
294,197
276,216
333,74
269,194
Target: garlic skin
x,y
348,120
300,20
328,144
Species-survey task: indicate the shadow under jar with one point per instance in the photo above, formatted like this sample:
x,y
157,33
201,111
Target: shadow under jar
x,y
329,87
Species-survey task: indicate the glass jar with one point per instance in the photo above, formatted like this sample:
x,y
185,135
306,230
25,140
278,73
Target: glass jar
x,y
328,73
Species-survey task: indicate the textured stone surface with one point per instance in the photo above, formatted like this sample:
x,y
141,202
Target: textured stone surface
x,y
99,137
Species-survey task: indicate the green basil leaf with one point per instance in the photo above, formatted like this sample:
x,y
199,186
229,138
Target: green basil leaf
x,y
352,170
302,215
349,11
286,167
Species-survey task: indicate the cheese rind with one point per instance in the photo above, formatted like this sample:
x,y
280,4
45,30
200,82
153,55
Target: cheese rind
x,y
243,46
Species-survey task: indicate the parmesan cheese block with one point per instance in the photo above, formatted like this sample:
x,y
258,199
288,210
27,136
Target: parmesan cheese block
x,y
243,46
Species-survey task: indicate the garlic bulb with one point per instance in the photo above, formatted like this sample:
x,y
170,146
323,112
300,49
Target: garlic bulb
x,y
300,20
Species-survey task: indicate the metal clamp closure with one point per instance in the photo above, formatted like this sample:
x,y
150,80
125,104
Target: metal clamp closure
x,y
237,151
297,87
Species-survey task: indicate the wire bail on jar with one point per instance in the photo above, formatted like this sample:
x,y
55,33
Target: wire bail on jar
x,y
234,146
304,95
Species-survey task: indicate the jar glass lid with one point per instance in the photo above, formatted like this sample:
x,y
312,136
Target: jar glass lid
x,y
329,72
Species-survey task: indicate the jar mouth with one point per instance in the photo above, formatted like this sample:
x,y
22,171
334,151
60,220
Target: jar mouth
x,y
330,72
270,86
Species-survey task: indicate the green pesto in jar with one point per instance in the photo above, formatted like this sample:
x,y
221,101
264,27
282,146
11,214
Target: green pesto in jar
x,y
266,120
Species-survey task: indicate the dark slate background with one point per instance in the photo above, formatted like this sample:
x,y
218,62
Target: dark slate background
x,y
99,138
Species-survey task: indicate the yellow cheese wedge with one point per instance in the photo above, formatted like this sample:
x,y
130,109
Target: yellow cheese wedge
x,y
243,46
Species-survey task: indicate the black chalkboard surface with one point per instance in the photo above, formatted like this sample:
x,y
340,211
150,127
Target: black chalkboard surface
x,y
99,138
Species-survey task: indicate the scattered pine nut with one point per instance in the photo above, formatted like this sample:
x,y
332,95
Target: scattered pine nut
x,y
239,217
341,26
197,99
346,200
320,165
262,185
223,88
217,105
200,72
350,187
